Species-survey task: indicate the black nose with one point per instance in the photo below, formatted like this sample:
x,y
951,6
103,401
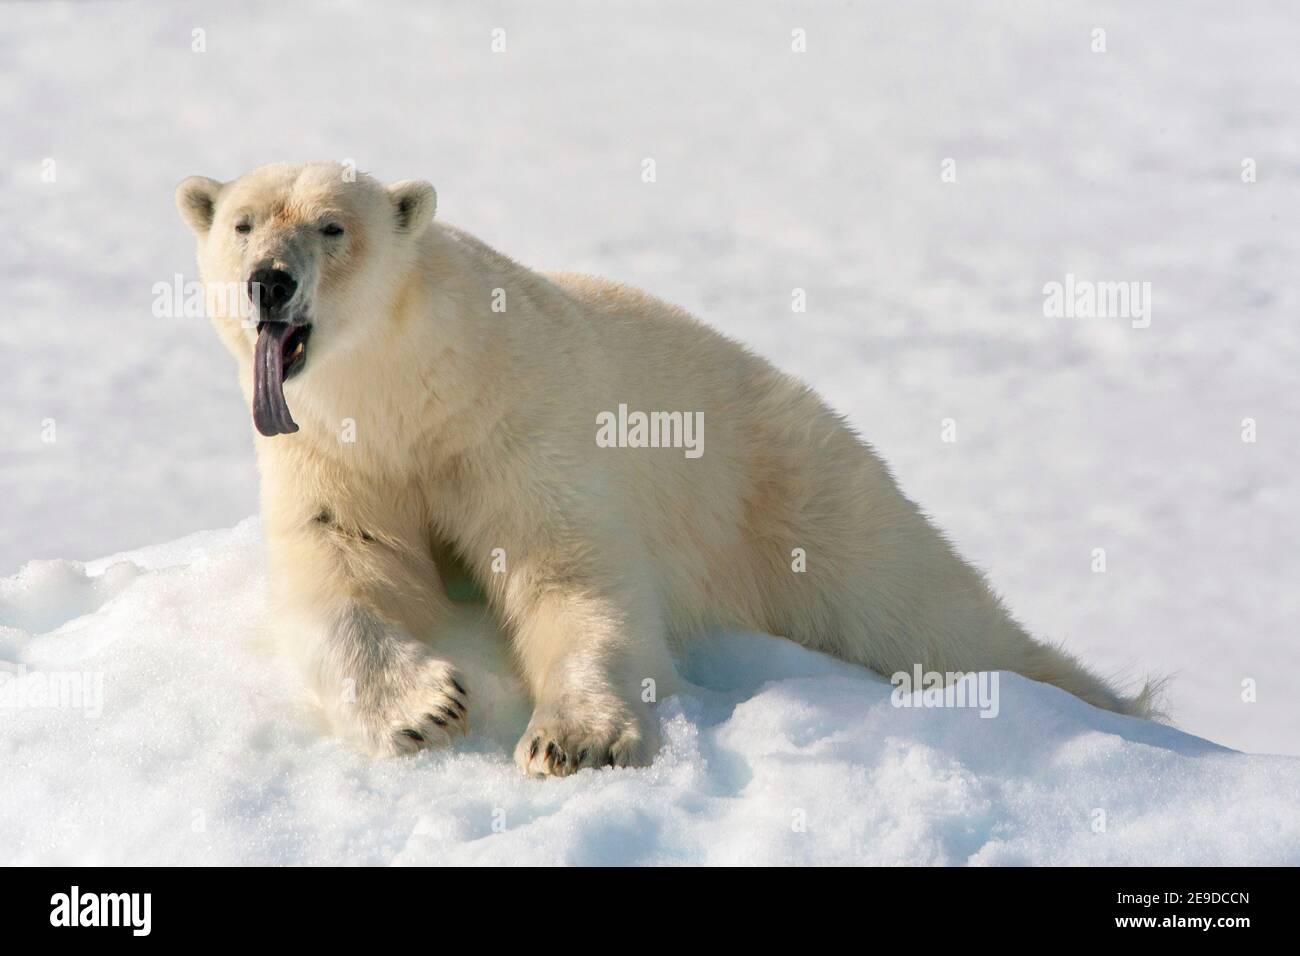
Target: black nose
x,y
270,290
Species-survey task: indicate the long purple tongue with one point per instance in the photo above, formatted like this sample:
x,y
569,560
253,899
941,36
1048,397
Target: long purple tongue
x,y
270,411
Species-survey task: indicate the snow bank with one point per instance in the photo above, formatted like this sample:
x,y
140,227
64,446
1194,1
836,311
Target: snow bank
x,y
143,720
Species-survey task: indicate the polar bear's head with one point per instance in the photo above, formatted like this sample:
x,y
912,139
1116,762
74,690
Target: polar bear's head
x,y
314,253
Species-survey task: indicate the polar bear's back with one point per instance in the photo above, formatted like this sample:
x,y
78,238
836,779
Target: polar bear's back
x,y
608,300
682,358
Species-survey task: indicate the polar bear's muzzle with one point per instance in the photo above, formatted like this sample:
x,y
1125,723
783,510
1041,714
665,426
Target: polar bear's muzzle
x,y
281,349
280,353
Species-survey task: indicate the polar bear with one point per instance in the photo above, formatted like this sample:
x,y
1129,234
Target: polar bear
x,y
616,477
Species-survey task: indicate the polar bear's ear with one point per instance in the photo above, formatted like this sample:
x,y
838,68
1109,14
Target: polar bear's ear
x,y
196,198
414,202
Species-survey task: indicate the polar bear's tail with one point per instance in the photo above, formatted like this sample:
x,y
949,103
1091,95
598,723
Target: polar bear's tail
x,y
1150,701
1052,664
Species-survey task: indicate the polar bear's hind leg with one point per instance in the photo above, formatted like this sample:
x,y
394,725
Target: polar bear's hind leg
x,y
880,585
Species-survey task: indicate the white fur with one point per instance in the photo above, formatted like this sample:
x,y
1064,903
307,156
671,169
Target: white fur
x,y
475,430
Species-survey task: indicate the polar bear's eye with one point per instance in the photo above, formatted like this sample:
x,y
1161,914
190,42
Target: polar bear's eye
x,y
332,229
243,228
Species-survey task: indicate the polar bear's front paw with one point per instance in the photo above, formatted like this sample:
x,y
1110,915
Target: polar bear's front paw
x,y
560,742
423,704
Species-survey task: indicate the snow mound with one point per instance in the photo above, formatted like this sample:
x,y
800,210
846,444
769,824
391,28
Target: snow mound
x,y
143,720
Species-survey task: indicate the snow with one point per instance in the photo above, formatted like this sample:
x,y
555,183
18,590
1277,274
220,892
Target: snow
x,y
204,750
776,171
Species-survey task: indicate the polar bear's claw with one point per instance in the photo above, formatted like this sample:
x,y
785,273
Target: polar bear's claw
x,y
560,748
422,714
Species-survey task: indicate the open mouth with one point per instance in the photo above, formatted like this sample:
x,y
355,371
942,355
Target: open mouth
x,y
280,353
